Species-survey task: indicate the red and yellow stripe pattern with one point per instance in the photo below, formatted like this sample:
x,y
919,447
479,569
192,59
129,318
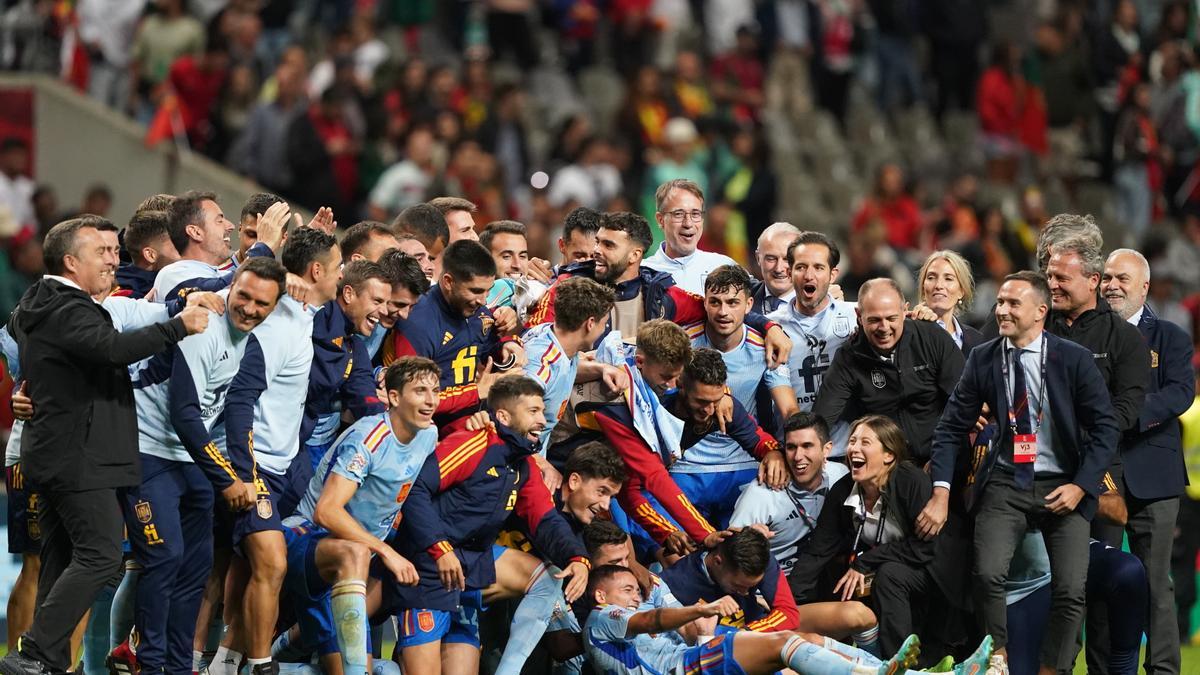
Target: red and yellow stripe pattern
x,y
376,437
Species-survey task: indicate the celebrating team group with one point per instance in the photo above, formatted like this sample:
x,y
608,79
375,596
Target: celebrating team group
x,y
640,460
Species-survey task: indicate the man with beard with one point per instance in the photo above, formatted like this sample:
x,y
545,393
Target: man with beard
x,y
642,293
817,324
899,367
1151,452
456,508
452,326
776,288
200,232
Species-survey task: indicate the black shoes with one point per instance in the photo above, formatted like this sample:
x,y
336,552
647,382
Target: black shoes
x,y
17,664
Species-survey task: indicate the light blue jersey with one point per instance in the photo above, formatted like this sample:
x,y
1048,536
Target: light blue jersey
x,y
747,368
611,652
267,395
8,347
549,365
172,276
384,469
199,368
373,341
660,595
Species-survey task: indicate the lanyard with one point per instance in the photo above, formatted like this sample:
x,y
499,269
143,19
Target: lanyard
x,y
862,523
800,510
1010,384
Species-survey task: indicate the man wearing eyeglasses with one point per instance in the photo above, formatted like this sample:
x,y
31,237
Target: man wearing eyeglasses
x,y
680,213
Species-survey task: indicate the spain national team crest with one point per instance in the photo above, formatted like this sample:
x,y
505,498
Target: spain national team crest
x,y
425,620
487,322
841,327
265,509
877,379
142,511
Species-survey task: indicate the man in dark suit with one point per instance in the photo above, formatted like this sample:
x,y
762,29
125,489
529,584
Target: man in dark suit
x,y
81,446
1152,455
776,288
1042,470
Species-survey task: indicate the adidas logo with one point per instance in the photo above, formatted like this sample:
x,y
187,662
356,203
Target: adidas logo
x,y
446,338
492,472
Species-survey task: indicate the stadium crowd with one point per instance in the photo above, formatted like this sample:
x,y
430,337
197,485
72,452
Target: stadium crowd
x,y
575,401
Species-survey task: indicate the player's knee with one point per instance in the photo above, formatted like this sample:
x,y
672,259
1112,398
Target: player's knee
x,y
353,559
1127,575
270,569
859,617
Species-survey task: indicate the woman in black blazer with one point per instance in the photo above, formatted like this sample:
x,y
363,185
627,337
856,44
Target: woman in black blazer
x,y
865,545
947,288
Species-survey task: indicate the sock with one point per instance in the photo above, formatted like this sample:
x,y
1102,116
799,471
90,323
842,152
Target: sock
x,y
197,660
860,656
97,635
250,663
226,662
868,640
349,600
805,657
121,614
542,597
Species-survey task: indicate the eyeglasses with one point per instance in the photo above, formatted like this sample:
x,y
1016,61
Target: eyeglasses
x,y
678,215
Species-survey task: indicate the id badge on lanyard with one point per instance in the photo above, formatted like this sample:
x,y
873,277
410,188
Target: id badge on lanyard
x,y
1025,445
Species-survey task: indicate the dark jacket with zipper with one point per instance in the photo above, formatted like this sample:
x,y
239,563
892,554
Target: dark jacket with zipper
x,y
825,555
83,435
912,388
1119,351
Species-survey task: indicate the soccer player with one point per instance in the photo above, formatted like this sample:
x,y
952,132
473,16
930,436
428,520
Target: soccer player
x,y
452,326
427,226
408,285
506,241
200,232
340,378
623,637
791,514
149,245
817,324
581,309
453,514
169,517
713,472
247,226
350,506
367,241
261,413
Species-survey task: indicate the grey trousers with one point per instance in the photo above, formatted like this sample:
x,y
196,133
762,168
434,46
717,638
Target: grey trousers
x,y
1005,512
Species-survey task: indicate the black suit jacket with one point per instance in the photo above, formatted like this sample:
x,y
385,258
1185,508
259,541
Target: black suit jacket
x,y
758,297
83,435
1152,451
1083,420
972,338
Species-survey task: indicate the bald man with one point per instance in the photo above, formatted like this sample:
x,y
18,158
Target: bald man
x,y
1151,452
893,366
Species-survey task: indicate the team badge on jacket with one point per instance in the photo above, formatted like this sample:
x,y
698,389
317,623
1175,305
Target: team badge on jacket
x,y
264,508
142,511
877,379
842,328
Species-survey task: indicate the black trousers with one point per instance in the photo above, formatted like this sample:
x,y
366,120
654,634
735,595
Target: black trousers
x,y
81,550
899,593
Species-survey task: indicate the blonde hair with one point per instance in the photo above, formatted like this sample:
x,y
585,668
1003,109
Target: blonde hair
x,y
962,270
664,342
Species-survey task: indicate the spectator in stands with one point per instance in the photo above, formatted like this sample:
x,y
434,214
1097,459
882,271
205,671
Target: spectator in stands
x,y
691,96
45,209
681,158
749,190
261,151
1137,174
323,156
16,188
197,80
590,180
900,82
106,28
955,29
1116,57
161,38
893,209
1059,56
1008,109
739,79
503,134
405,183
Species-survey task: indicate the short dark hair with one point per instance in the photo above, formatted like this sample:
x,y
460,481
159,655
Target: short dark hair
x,y
581,219
62,240
746,551
631,224
501,227
1038,281
807,420
144,228
577,299
727,277
600,533
158,202
706,366
304,246
264,268
810,237
664,342
98,190
258,203
185,210
403,270
601,575
357,273
466,259
448,204
408,368
424,222
511,387
596,460
357,236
